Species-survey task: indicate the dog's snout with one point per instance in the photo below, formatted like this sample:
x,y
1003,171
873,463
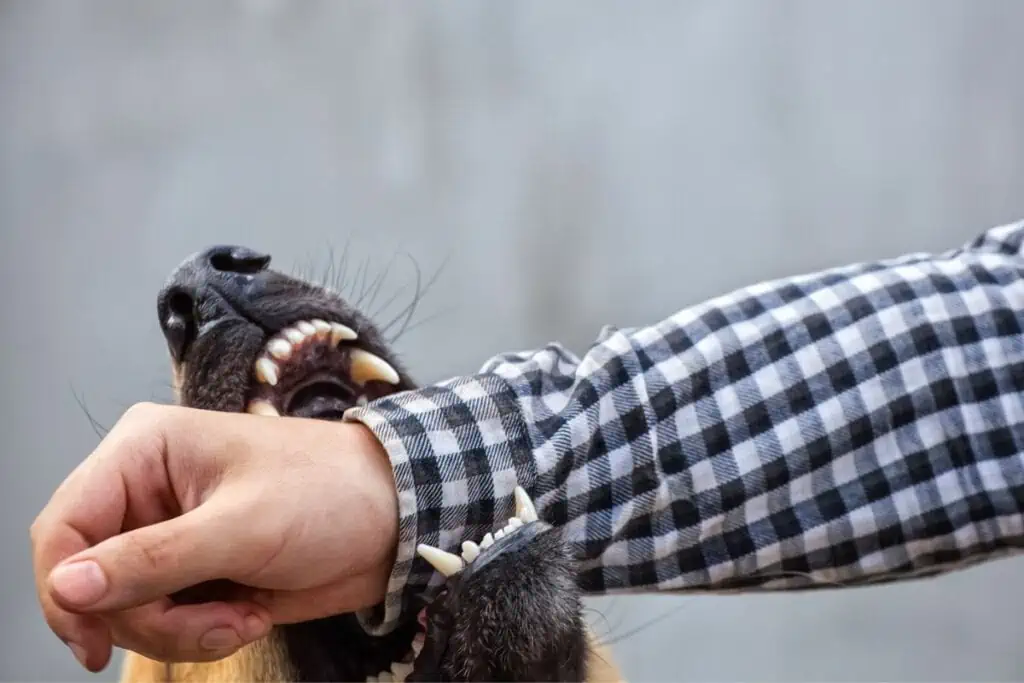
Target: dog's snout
x,y
237,260
200,289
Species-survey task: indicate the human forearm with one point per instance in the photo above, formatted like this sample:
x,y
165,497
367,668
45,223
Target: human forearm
x,y
856,424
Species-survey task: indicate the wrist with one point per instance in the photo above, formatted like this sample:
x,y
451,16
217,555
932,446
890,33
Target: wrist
x,y
383,490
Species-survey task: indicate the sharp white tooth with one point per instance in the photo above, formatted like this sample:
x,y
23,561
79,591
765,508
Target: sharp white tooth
x,y
385,677
341,333
293,335
446,563
401,670
306,328
499,534
417,643
470,551
280,349
322,327
266,371
487,541
524,506
259,407
514,523
365,366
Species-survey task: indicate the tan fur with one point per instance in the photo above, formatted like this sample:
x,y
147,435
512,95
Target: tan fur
x,y
264,662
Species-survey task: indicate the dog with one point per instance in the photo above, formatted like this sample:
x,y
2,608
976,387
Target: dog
x,y
243,337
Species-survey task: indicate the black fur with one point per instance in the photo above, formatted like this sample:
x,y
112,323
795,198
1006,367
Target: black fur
x,y
513,615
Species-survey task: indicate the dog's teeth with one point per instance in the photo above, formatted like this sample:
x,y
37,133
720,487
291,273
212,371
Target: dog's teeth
x,y
524,506
306,328
322,327
266,371
499,534
470,551
293,335
514,523
417,643
444,562
365,366
341,333
385,677
259,407
362,401
487,541
280,349
401,670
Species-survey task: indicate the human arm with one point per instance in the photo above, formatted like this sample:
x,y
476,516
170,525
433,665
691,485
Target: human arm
x,y
859,424
173,498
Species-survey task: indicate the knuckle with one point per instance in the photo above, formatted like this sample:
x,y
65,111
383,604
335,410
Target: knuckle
x,y
34,531
141,411
153,552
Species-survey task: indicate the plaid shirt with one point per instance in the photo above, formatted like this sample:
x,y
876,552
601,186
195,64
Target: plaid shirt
x,y
860,424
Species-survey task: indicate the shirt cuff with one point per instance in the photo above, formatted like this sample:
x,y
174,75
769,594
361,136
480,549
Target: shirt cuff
x,y
458,449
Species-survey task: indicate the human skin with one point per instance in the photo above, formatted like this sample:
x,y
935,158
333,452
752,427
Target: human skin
x,y
301,514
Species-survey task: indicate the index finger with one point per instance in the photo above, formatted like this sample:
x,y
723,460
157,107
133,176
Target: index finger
x,y
90,506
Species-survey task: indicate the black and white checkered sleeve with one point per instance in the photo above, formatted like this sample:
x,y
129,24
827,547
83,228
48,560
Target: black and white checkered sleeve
x,y
864,423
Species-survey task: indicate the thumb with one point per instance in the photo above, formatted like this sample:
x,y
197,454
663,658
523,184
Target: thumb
x,y
146,564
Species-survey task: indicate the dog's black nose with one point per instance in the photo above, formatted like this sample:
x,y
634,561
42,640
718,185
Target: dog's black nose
x,y
201,289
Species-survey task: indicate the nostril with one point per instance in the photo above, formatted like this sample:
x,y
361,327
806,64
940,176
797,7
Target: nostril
x,y
240,260
178,321
179,304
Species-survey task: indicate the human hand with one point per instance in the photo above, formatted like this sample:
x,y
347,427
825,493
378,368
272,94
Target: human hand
x,y
301,514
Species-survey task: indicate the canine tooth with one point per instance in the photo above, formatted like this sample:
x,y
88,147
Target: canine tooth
x,y
524,506
488,541
401,670
280,349
294,336
470,551
444,562
341,332
322,327
306,328
266,371
366,366
259,407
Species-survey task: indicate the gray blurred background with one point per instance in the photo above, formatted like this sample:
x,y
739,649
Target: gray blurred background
x,y
568,164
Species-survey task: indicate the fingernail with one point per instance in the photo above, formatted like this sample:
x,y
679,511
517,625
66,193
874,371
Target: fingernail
x,y
80,654
220,639
253,627
79,583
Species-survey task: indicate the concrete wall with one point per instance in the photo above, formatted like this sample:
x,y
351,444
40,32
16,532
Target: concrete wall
x,y
573,164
